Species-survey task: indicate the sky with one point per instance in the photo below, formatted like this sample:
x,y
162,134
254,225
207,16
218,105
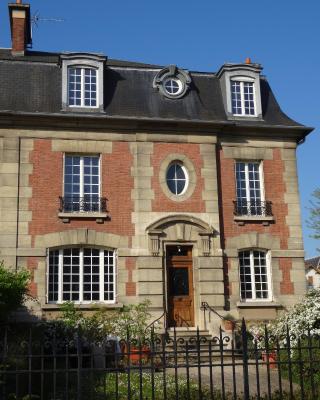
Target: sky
x,y
282,35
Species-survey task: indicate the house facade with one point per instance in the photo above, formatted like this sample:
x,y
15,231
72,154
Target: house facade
x,y
312,270
123,182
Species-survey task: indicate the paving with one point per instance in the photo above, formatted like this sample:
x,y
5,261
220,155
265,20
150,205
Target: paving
x,y
231,378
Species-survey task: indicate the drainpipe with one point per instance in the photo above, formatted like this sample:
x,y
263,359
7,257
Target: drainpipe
x,y
18,202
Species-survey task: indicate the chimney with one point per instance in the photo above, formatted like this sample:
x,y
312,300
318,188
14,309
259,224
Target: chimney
x,y
20,23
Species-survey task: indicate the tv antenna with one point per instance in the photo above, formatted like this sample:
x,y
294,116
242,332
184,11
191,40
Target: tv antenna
x,y
36,18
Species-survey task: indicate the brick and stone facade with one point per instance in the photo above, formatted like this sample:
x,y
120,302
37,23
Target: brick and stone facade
x,y
144,217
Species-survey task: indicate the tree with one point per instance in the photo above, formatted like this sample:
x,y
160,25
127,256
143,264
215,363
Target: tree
x,y
314,217
13,290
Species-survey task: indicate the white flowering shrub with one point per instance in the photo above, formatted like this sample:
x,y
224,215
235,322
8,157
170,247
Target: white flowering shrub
x,y
300,320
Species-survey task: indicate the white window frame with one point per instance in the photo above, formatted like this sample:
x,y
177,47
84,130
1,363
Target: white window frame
x,y
254,299
82,60
101,277
82,91
242,80
81,183
261,180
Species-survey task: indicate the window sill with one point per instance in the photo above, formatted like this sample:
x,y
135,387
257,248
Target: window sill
x,y
245,219
89,306
258,304
234,117
99,217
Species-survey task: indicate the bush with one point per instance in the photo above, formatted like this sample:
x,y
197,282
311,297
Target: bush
x,y
13,290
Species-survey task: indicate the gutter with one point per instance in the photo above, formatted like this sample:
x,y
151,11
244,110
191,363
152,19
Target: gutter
x,y
87,119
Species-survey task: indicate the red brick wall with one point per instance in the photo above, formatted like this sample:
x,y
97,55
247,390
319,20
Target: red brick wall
x,y
46,181
275,189
18,34
161,202
130,285
286,286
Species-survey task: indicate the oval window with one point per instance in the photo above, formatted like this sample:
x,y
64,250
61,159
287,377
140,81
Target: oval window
x,y
173,86
177,178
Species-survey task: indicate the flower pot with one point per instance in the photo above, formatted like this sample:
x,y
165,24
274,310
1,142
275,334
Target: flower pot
x,y
137,354
271,357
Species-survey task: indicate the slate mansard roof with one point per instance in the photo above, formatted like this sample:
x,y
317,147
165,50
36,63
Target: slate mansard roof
x,y
33,84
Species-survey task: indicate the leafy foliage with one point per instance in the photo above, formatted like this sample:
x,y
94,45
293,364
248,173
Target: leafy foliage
x,y
13,290
314,218
131,320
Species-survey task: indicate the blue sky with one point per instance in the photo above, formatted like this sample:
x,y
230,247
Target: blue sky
x,y
281,35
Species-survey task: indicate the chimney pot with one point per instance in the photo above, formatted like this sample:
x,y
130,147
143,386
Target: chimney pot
x,y
248,60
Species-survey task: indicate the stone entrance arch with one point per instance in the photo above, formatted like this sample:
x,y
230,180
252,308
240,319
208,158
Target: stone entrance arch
x,y
180,228
188,232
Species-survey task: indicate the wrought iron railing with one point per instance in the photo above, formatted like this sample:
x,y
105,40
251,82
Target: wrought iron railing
x,y
83,204
153,325
55,362
206,308
253,208
180,321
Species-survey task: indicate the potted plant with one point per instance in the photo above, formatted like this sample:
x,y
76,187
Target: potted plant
x,y
229,322
131,326
270,356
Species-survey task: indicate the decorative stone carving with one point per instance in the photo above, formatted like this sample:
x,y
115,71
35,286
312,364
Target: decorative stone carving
x,y
181,228
155,241
206,242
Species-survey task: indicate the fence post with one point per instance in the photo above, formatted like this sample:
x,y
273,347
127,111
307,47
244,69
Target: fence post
x,y
79,358
244,335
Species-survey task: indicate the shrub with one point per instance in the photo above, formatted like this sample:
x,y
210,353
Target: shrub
x,y
13,290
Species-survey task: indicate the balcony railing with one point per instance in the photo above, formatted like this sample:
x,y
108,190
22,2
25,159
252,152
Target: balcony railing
x,y
253,208
87,204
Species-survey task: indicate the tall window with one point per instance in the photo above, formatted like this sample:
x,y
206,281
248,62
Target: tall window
x,y
249,188
242,98
255,279
82,87
81,183
81,275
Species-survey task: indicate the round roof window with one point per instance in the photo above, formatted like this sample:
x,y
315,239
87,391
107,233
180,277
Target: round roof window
x,y
173,86
177,178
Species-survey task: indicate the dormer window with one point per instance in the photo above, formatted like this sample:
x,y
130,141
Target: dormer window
x,y
240,87
82,87
242,98
82,82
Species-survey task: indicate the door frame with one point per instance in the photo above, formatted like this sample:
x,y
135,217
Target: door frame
x,y
166,282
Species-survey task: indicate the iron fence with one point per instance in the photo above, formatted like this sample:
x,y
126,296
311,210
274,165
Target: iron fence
x,y
51,363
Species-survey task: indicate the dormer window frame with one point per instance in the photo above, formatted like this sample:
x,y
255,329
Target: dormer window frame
x,y
82,62
242,80
242,73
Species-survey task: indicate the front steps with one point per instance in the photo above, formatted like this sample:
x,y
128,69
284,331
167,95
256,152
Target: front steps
x,y
192,346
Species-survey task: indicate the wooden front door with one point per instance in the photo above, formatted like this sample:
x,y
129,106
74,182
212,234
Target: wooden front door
x,y
180,286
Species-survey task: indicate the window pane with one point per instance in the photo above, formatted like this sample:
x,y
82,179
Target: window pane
x,y
91,261
176,178
236,97
258,279
109,276
53,275
245,275
248,188
70,271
